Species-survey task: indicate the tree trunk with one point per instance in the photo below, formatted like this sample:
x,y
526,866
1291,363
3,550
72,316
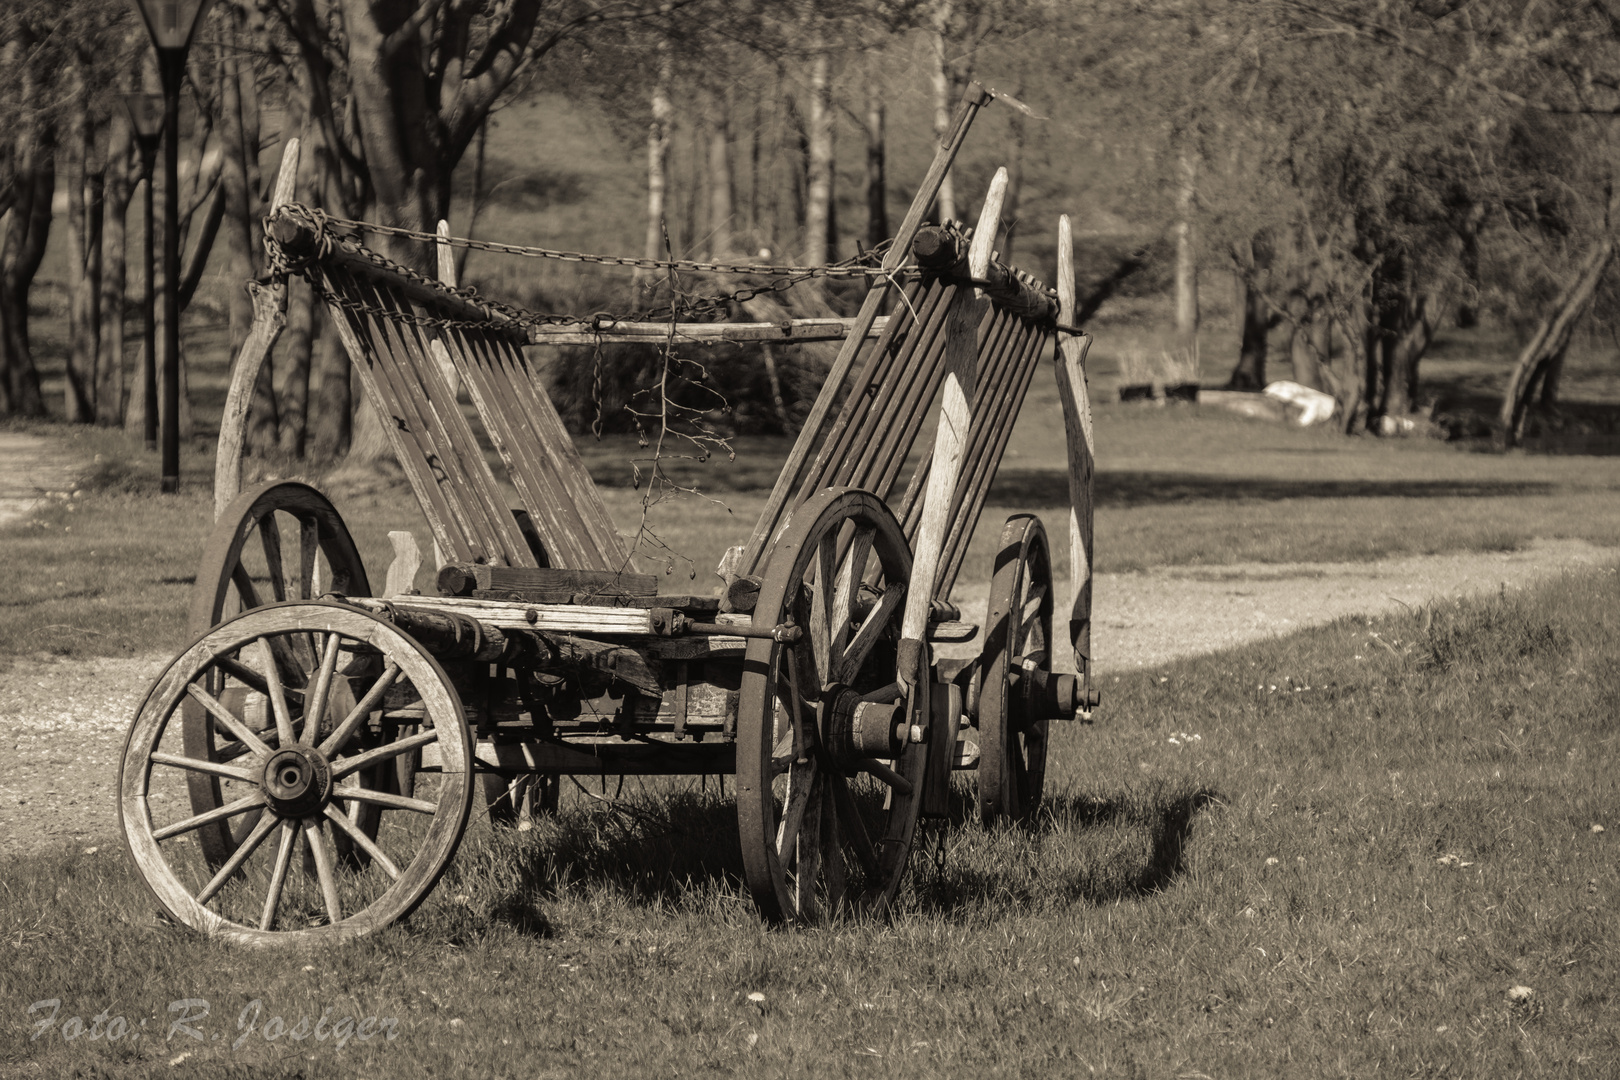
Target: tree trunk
x,y
944,101
122,171
1015,180
1404,345
877,189
241,206
658,158
1543,354
85,181
721,212
331,417
1186,257
818,203
297,342
26,236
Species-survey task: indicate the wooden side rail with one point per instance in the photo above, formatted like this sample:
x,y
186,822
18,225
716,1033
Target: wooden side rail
x,y
788,332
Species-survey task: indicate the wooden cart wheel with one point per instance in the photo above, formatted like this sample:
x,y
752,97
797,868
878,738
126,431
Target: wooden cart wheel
x,y
299,776
1018,643
279,540
828,786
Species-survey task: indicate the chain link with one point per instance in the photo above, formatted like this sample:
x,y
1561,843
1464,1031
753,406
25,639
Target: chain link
x,y
320,224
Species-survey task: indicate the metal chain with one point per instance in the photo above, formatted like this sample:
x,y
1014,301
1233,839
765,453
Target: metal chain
x,y
318,222
859,266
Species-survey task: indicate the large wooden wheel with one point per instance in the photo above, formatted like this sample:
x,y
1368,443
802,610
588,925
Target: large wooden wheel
x,y
829,783
1017,663
293,761
279,540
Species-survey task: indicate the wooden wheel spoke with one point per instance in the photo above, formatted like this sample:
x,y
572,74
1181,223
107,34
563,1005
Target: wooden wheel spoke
x,y
821,605
807,850
801,781
278,875
854,655
832,869
333,742
227,719
384,799
885,774
216,768
799,712
247,847
854,829
197,821
278,699
270,540
309,550
344,766
250,678
850,574
247,596
320,848
358,835
315,707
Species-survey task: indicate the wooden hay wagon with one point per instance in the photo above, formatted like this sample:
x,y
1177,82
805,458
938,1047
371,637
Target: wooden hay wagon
x,y
305,768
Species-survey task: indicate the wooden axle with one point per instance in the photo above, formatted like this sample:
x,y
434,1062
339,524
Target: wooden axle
x,y
787,332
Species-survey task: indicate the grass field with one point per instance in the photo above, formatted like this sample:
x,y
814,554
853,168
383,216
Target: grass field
x,y
1328,855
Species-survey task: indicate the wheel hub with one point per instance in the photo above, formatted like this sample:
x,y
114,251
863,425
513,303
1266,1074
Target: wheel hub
x,y
297,781
860,729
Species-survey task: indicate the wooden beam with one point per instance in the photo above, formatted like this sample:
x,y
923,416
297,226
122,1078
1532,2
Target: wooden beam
x,y
1071,379
790,332
269,317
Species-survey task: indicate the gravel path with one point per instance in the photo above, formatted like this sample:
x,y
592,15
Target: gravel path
x,y
64,721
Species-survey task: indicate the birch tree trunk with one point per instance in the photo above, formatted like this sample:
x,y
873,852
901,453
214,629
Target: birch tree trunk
x,y
721,200
877,189
818,200
943,101
658,158
118,191
1186,255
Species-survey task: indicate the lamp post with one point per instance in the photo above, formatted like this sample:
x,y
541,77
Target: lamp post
x,y
171,23
146,117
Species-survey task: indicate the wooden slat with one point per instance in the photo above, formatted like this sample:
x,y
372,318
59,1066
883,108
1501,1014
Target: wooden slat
x,y
439,401
974,490
598,539
394,359
992,330
542,495
877,400
855,417
355,334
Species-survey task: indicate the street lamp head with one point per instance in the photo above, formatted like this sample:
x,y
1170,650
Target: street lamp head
x,y
145,114
171,22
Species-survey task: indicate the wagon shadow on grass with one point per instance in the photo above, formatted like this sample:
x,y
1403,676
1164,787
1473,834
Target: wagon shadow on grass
x,y
680,848
1079,848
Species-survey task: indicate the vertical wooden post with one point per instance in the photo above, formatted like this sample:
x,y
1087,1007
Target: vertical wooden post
x,y
1071,380
447,275
967,309
269,317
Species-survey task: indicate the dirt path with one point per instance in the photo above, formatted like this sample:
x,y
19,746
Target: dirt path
x,y
63,722
30,467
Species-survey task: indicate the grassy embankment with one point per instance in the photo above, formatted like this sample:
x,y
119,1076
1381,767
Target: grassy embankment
x,y
1326,855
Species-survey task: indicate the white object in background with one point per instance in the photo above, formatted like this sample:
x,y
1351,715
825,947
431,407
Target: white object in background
x,y
1314,405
